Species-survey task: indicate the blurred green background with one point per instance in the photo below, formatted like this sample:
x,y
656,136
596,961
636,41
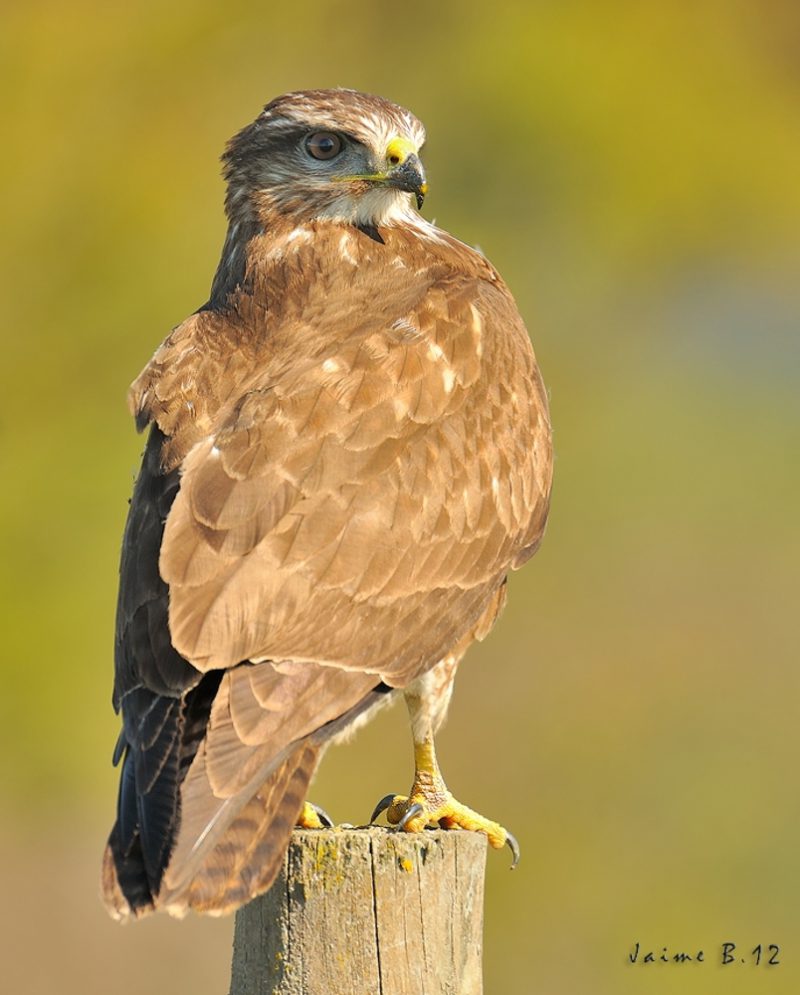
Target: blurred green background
x,y
634,172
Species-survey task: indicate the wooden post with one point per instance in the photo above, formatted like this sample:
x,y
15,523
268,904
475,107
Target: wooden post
x,y
367,912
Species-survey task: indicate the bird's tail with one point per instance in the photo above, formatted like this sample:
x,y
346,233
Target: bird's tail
x,y
230,810
242,864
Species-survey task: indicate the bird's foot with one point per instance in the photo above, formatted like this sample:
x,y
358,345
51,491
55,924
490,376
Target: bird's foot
x,y
314,817
412,813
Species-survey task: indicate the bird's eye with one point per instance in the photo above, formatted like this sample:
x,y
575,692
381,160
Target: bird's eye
x,y
323,145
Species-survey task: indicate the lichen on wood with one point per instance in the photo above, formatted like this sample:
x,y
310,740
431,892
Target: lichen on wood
x,y
367,912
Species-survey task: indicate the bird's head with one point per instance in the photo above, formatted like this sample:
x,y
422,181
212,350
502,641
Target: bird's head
x,y
335,154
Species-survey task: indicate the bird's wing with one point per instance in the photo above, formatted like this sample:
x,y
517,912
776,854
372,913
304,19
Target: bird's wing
x,y
358,508
345,519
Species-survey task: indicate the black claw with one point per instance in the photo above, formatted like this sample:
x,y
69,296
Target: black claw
x,y
514,847
382,805
323,816
416,809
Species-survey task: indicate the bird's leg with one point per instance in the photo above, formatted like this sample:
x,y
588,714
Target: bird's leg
x,y
428,792
430,803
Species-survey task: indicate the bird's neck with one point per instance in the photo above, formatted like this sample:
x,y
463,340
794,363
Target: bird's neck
x,y
232,265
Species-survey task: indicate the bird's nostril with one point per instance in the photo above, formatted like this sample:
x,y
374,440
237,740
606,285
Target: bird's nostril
x,y
394,159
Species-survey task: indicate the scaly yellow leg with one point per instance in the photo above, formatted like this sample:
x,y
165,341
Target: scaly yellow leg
x,y
430,803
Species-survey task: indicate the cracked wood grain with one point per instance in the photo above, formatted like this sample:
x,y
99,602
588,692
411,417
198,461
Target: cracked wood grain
x,y
367,912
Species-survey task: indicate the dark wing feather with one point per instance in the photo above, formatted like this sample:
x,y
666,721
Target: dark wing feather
x,y
163,699
143,653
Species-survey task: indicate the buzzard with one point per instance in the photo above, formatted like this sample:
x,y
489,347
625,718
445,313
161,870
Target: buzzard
x,y
349,449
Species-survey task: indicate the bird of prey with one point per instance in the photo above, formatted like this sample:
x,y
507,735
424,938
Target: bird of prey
x,y
349,449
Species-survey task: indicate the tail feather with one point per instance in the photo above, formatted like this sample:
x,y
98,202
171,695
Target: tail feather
x,y
248,857
123,885
158,749
228,837
242,864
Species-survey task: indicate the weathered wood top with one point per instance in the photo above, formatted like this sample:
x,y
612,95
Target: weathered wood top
x,y
365,911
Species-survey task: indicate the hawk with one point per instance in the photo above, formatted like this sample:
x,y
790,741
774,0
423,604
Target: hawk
x,y
349,449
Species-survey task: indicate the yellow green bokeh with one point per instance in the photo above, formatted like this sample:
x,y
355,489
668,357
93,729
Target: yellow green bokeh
x,y
632,169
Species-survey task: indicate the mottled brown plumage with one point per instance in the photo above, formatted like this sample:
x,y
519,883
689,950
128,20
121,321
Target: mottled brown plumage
x,y
349,450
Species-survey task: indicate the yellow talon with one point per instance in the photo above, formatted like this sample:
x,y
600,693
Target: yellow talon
x,y
414,813
313,817
431,804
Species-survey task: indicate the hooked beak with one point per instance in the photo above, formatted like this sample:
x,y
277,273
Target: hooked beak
x,y
409,176
404,172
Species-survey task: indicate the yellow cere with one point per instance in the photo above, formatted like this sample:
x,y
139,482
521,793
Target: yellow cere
x,y
398,150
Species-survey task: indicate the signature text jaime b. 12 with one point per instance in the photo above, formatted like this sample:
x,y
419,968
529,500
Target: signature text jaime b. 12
x,y
727,954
